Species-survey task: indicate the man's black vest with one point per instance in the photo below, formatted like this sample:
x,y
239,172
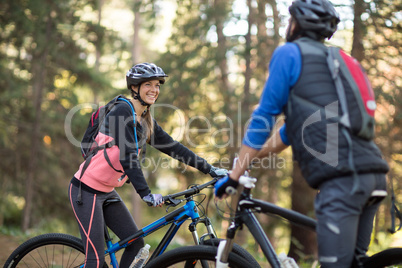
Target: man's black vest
x,y
318,140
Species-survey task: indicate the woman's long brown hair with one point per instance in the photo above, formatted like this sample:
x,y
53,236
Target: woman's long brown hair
x,y
147,117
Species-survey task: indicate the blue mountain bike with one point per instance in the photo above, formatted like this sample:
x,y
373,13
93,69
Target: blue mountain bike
x,y
63,250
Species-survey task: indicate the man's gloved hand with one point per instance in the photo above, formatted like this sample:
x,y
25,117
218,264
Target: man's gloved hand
x,y
218,172
153,200
225,185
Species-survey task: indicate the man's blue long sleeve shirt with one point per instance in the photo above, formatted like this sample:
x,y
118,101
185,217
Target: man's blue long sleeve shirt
x,y
284,71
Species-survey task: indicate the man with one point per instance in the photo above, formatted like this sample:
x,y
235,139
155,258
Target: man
x,y
345,168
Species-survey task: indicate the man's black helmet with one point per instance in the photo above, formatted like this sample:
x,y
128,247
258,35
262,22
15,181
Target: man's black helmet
x,y
316,18
143,72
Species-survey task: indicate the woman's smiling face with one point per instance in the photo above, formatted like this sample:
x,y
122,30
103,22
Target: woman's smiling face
x,y
149,91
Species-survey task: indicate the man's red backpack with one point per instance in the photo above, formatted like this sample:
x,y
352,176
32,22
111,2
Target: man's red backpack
x,y
354,91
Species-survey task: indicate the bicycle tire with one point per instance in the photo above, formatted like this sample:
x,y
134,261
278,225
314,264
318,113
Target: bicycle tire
x,y
48,250
387,258
191,256
237,249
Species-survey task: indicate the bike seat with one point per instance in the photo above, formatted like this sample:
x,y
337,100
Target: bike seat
x,y
111,200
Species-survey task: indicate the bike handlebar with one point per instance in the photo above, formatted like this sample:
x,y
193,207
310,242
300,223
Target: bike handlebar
x,y
189,192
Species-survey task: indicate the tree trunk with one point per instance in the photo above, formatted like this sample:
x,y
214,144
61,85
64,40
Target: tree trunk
x,y
3,196
98,46
247,57
221,61
241,237
277,22
229,96
358,31
303,241
263,45
39,77
136,201
136,48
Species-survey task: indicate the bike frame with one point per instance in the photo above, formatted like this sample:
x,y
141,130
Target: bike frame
x,y
175,218
246,208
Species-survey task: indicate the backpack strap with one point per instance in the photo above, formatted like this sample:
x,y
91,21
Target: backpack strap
x,y
86,164
134,119
394,211
108,145
88,159
334,68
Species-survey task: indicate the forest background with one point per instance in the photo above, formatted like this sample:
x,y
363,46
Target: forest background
x,y
60,58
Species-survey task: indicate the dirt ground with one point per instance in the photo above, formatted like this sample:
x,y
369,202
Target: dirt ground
x,y
7,244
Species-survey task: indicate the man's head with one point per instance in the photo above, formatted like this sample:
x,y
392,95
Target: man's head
x,y
316,19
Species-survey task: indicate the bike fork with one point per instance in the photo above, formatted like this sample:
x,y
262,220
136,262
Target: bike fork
x,y
193,229
225,246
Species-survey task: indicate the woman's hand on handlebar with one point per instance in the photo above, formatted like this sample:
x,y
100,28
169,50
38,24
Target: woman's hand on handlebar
x,y
218,172
155,200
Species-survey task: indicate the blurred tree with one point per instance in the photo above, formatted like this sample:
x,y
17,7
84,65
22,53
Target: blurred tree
x,y
201,57
193,61
56,55
45,47
358,30
303,244
135,55
383,47
272,175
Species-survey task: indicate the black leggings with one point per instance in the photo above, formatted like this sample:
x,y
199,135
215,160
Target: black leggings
x,y
95,210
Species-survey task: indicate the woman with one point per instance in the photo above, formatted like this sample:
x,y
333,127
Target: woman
x,y
92,195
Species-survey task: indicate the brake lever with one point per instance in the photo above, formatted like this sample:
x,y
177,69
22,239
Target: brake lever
x,y
171,202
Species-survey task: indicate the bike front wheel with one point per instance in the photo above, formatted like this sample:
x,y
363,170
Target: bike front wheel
x,y
388,258
48,250
194,256
237,249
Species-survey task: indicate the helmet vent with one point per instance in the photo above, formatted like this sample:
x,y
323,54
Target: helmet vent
x,y
316,3
143,72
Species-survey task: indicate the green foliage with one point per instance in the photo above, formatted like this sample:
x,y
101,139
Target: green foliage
x,y
57,38
383,50
214,82
11,209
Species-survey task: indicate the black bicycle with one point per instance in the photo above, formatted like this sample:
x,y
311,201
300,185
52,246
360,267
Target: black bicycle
x,y
246,206
63,250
